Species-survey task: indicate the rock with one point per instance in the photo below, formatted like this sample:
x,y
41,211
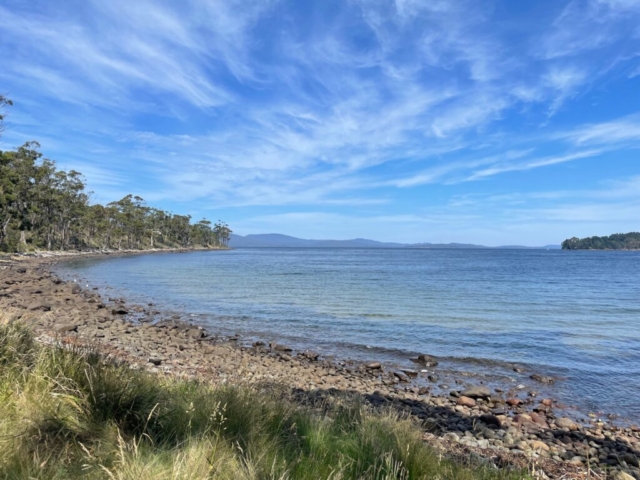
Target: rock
x,y
514,402
479,391
566,423
66,327
155,360
543,379
39,306
311,355
195,333
259,344
374,366
630,459
401,376
433,378
76,289
622,476
426,360
466,402
279,348
409,373
423,390
547,402
491,420
538,445
539,420
119,311
21,270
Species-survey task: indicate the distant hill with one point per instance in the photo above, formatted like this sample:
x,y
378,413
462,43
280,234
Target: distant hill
x,y
618,241
277,240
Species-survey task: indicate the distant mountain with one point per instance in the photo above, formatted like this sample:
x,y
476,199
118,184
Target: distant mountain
x,y
275,240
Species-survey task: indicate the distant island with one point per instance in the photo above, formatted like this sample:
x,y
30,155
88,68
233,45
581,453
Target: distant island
x,y
618,241
277,240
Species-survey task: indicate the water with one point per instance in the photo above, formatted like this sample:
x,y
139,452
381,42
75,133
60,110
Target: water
x,y
575,315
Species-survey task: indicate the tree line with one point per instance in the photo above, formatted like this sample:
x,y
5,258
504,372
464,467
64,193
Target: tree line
x,y
618,241
43,207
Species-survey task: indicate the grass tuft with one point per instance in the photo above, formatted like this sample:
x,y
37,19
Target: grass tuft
x,y
68,414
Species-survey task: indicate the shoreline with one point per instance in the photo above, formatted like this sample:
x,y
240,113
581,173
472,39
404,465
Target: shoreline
x,y
473,420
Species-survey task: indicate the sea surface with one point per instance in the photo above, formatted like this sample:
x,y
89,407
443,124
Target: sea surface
x,y
572,315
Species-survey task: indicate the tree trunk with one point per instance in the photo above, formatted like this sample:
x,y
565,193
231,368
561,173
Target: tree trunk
x,y
23,237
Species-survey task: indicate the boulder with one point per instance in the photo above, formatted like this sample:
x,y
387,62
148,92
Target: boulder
x,y
514,402
491,420
566,423
374,366
409,373
466,402
155,360
119,311
543,379
196,333
311,355
479,391
426,360
39,306
539,446
76,289
66,327
279,348
401,376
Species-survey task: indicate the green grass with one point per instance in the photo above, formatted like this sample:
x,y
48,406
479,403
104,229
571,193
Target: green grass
x,y
68,414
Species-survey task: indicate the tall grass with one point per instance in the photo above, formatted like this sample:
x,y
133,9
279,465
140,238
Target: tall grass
x,y
68,414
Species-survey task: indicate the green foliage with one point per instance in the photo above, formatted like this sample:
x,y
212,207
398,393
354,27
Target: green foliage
x,y
43,207
68,414
618,241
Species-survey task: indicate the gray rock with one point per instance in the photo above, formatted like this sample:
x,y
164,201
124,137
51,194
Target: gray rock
x,y
479,391
39,306
66,327
426,360
543,379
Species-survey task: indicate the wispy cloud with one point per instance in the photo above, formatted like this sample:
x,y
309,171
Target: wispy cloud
x,y
336,104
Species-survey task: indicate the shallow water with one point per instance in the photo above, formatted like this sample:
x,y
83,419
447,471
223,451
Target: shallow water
x,y
575,315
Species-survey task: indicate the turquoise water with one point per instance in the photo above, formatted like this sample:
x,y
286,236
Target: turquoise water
x,y
575,315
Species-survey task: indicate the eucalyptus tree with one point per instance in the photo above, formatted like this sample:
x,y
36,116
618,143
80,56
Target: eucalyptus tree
x,y
47,207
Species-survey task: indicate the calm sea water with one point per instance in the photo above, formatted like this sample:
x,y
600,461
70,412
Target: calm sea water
x,y
575,315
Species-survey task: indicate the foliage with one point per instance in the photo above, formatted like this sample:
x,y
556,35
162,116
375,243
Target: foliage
x,y
44,207
68,414
618,241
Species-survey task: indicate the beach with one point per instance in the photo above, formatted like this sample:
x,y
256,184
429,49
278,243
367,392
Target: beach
x,y
502,426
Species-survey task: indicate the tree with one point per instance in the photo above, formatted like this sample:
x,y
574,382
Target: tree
x,y
4,102
42,206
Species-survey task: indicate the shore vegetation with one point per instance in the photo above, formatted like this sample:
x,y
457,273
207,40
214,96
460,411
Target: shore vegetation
x,y
44,207
618,241
68,413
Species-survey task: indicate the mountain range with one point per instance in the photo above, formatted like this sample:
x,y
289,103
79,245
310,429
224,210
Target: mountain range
x,y
277,240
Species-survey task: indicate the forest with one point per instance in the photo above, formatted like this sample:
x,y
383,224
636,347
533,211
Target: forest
x,y
45,208
618,241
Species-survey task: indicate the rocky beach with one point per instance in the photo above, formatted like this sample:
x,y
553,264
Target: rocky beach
x,y
494,425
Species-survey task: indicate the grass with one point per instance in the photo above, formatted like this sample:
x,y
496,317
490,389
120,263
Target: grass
x,y
68,414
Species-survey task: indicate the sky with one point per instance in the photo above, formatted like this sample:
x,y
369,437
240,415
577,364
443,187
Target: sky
x,y
489,122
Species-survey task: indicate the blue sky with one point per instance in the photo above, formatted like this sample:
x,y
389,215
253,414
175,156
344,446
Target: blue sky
x,y
494,122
